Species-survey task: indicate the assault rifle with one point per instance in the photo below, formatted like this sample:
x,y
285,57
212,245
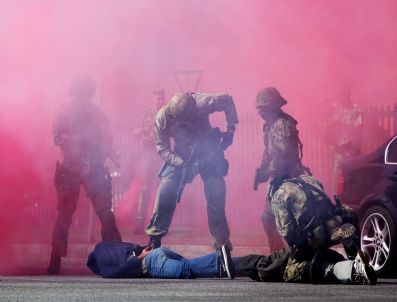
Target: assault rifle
x,y
190,167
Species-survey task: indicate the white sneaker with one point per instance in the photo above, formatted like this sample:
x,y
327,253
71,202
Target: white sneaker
x,y
362,272
226,261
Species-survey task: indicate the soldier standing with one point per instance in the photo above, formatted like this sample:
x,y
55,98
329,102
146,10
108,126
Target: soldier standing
x,y
282,153
198,148
82,132
150,160
344,132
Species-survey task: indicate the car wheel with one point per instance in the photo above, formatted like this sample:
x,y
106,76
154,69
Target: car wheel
x,y
378,239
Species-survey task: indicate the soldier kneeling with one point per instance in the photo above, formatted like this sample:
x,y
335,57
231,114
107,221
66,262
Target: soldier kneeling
x,y
310,224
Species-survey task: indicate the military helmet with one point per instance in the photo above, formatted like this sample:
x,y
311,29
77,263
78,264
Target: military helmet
x,y
82,86
182,106
269,97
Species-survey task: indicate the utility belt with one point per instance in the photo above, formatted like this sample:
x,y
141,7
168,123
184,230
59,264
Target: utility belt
x,y
82,166
75,172
213,164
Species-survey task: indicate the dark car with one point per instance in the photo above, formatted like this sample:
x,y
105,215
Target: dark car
x,y
368,183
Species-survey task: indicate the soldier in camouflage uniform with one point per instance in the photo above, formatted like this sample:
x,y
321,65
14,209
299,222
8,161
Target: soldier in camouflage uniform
x,y
150,160
310,223
305,217
344,132
82,132
282,152
198,148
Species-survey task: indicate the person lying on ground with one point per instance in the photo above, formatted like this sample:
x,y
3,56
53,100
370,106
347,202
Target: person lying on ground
x,y
126,260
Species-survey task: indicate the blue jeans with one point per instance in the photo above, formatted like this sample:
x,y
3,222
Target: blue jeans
x,y
163,263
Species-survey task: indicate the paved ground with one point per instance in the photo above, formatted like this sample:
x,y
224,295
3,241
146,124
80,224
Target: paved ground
x,y
29,258
78,284
90,288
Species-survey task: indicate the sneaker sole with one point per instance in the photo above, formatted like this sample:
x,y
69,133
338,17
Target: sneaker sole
x,y
228,262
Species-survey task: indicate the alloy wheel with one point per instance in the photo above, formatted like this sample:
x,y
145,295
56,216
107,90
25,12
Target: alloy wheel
x,y
375,239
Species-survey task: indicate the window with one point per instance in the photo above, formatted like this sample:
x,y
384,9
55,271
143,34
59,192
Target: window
x,y
391,152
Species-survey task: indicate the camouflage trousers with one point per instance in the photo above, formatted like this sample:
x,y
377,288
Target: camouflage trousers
x,y
339,156
166,200
274,239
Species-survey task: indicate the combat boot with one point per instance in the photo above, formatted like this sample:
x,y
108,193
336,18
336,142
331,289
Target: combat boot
x,y
54,266
154,241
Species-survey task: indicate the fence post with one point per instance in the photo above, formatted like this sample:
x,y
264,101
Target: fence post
x,y
394,118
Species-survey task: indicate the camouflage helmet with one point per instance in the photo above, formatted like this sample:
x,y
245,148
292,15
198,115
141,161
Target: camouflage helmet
x,y
82,86
182,106
269,97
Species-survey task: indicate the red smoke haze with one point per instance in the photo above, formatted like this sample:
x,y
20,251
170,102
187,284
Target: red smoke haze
x,y
305,48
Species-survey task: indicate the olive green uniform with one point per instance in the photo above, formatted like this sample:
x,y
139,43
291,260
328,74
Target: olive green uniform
x,y
194,141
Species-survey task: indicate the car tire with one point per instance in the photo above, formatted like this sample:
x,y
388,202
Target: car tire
x,y
378,239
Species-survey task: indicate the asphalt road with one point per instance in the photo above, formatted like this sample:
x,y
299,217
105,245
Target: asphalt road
x,y
90,288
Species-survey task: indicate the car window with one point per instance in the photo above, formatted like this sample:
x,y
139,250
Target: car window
x,y
391,152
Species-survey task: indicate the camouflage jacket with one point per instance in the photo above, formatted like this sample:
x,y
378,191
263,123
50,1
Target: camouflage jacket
x,y
145,132
82,131
282,152
345,128
289,203
195,133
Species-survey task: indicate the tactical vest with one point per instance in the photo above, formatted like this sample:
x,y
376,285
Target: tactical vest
x,y
315,212
312,217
